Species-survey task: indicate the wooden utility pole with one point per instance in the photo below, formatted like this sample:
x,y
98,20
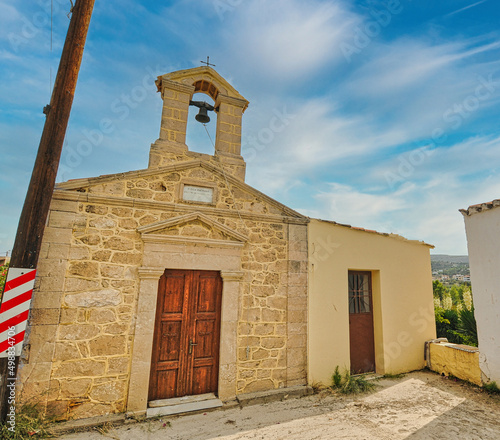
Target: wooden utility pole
x,y
36,205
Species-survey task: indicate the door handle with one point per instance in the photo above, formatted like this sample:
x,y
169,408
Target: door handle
x,y
191,344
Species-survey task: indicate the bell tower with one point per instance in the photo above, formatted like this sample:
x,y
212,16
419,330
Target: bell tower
x,y
177,90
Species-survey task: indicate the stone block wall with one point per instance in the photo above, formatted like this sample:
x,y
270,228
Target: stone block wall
x,y
85,302
272,328
83,310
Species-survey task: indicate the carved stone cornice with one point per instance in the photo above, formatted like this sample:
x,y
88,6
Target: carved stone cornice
x,y
237,102
232,275
175,239
149,273
164,83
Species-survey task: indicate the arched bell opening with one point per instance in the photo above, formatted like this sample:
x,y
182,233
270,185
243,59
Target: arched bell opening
x,y
181,134
202,118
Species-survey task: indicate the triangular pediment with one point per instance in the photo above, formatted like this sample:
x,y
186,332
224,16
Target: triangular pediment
x,y
159,186
205,79
193,227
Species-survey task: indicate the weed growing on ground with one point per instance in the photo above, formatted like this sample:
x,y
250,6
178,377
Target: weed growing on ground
x,y
491,388
336,378
105,429
356,384
348,384
393,376
318,387
29,424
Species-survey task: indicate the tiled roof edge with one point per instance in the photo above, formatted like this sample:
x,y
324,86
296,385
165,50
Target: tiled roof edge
x,y
371,231
480,207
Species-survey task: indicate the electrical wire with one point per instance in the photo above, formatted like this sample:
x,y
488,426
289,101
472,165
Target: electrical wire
x,y
51,38
225,176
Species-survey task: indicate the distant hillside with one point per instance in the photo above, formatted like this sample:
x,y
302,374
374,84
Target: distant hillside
x,y
450,258
450,264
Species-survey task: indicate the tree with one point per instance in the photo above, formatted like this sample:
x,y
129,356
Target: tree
x,y
454,313
439,289
456,293
467,298
467,326
3,276
446,325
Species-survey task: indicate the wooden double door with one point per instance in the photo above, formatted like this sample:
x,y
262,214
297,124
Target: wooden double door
x,y
186,340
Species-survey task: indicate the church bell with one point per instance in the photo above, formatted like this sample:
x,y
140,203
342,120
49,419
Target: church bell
x,y
202,116
204,107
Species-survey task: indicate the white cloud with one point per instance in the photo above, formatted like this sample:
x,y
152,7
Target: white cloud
x,y
414,85
345,204
288,39
466,7
410,63
351,120
425,206
318,134
411,212
475,159
404,92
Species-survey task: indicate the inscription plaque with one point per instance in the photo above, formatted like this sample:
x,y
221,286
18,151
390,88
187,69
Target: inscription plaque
x,y
198,194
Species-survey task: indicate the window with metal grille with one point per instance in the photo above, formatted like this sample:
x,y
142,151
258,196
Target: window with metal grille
x,y
360,286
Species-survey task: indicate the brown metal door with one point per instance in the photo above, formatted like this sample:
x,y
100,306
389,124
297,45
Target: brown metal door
x,y
361,338
185,358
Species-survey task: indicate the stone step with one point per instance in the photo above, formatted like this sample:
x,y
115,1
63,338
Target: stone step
x,y
179,400
183,407
274,395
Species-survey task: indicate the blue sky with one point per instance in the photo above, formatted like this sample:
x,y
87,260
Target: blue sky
x,y
389,109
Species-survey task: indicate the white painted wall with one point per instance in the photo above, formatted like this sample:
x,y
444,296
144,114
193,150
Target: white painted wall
x,y
483,240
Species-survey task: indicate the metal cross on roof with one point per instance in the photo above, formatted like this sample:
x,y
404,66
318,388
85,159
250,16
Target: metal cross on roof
x,y
207,62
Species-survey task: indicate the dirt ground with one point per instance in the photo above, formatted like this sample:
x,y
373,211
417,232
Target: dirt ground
x,y
421,405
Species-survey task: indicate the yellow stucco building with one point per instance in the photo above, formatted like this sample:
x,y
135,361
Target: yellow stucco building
x,y
370,301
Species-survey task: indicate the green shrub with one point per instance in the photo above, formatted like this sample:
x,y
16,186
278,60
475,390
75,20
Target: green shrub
x,y
336,378
491,388
446,324
459,327
356,384
454,312
467,326
348,384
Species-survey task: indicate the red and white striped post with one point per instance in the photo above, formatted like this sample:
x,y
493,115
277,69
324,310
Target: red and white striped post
x,y
14,312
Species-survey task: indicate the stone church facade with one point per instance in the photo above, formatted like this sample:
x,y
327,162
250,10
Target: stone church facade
x,y
180,284
174,280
